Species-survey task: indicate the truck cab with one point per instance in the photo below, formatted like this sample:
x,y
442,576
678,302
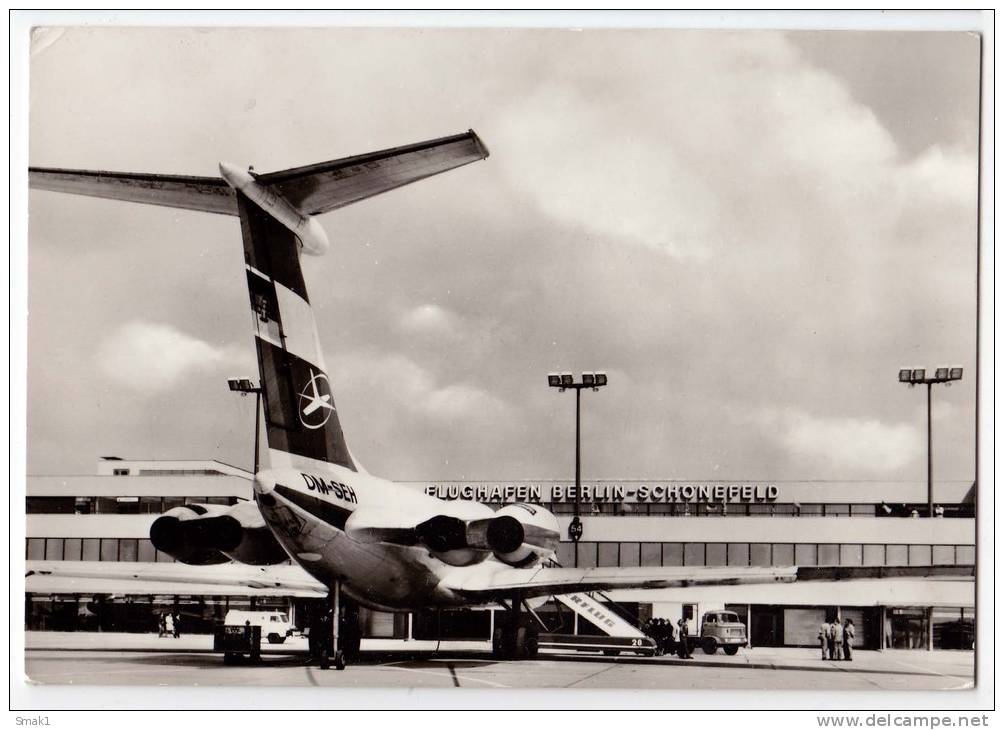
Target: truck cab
x,y
722,629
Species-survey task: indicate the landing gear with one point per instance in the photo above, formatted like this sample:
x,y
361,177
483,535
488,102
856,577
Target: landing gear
x,y
515,636
349,634
342,638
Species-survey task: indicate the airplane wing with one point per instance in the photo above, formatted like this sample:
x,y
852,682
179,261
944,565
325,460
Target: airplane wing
x,y
312,189
158,578
499,583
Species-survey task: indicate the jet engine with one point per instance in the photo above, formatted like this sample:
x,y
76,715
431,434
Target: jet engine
x,y
208,534
449,539
517,534
520,534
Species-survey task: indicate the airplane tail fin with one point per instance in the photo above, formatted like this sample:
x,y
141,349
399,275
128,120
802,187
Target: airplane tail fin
x,y
300,415
275,211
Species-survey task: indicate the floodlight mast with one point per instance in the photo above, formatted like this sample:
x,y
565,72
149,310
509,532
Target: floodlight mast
x,y
917,376
563,382
244,386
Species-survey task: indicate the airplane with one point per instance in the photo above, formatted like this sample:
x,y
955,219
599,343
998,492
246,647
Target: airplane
x,y
364,538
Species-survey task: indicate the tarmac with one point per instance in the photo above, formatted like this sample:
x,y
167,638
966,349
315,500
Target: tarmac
x,y
144,659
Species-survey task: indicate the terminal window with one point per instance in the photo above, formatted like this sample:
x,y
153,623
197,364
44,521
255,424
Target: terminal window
x,y
760,555
828,555
943,554
54,548
920,555
651,554
672,553
587,554
739,553
805,554
608,557
896,555
965,555
72,547
630,554
36,548
851,554
693,553
873,554
91,548
714,554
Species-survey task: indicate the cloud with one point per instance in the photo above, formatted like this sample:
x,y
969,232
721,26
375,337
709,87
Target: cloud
x,y
847,446
757,150
941,177
147,356
411,388
429,319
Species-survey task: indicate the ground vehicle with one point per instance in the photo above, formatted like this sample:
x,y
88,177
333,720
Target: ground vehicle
x,y
722,629
275,625
238,643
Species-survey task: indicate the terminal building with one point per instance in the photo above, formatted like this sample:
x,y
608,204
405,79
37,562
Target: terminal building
x,y
106,517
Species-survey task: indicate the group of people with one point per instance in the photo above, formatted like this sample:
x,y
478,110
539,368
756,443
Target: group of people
x,y
667,640
169,624
836,639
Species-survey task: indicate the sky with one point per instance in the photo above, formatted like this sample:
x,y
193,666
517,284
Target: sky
x,y
750,231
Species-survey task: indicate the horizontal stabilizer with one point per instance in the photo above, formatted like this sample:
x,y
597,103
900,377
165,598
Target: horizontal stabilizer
x,y
330,185
209,194
312,189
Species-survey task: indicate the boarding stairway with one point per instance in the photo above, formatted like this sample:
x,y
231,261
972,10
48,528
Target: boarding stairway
x,y
621,631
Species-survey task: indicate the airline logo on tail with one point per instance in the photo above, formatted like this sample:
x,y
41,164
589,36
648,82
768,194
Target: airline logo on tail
x,y
316,405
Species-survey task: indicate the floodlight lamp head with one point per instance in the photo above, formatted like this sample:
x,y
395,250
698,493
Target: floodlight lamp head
x,y
241,385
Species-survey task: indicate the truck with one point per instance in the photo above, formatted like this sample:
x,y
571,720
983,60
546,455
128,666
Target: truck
x,y
275,625
722,629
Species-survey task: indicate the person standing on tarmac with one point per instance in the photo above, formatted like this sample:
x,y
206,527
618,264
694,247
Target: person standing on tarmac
x,y
836,640
684,638
848,638
824,639
667,636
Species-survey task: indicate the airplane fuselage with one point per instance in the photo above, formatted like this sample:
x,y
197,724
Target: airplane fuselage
x,y
311,512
